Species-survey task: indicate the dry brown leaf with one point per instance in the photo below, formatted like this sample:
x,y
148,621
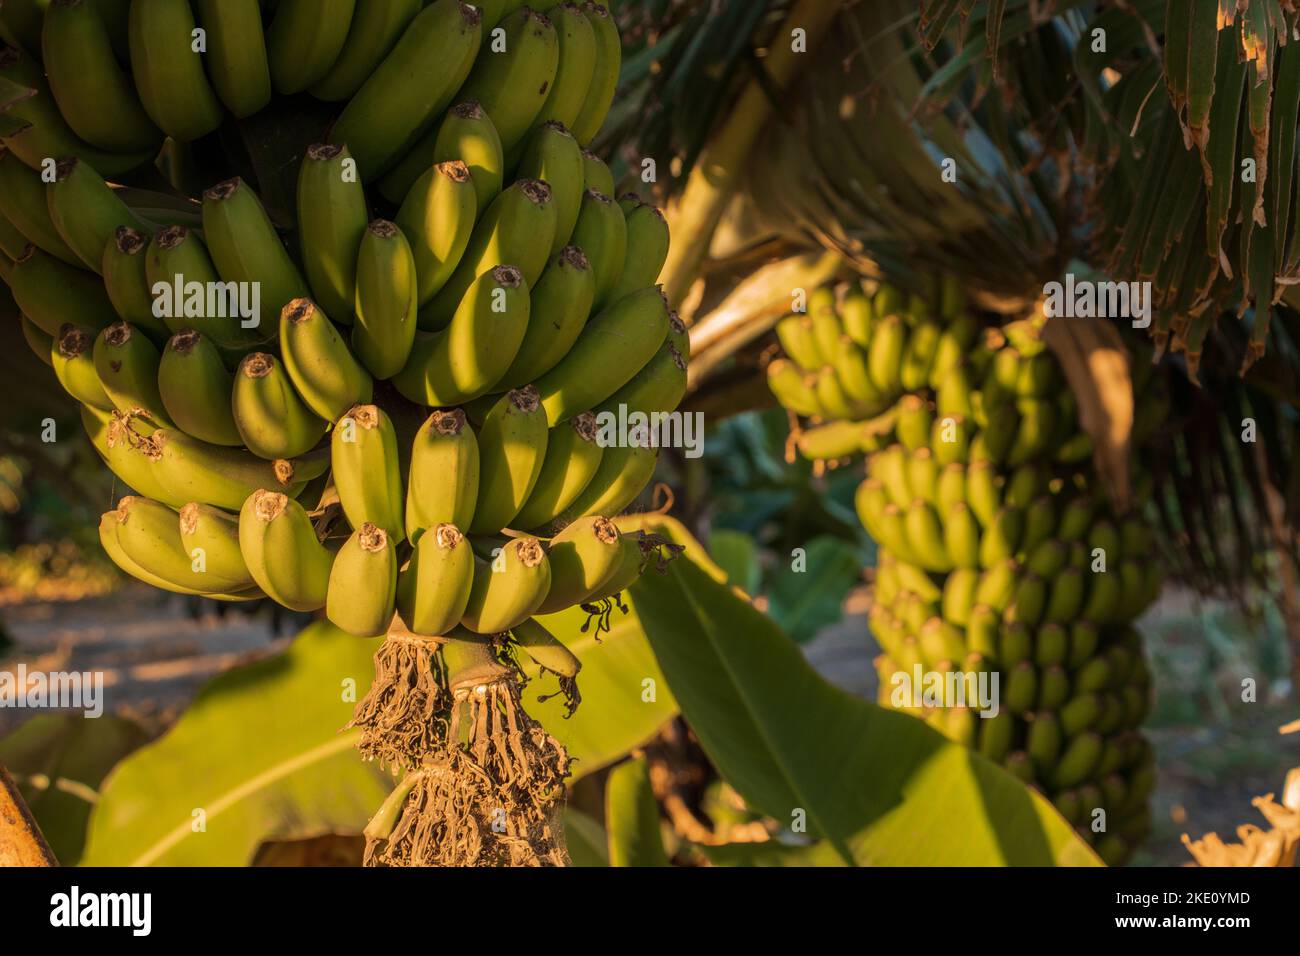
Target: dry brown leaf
x,y
1097,369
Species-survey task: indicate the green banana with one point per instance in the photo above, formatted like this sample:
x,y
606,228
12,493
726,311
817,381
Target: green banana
x,y
1084,638
1066,597
127,364
1040,522
40,343
560,304
1001,536
245,247
71,358
951,490
94,95
961,536
658,387
236,53
596,175
790,386
890,466
466,359
622,474
950,439
915,422
23,203
442,487
856,314
545,649
366,470
465,135
332,220
647,249
376,27
1077,760
1103,599
368,558
604,74
282,551
575,68
188,294
148,533
210,537
512,82
1037,424
799,341
996,735
387,293
885,355
1079,714
433,589
85,210
508,590
516,230
941,641
959,596
272,419
997,585
1051,645
48,290
827,442
321,367
414,83
437,218
572,459
1053,687
850,364
583,557
1022,688
982,631
1015,644
550,153
512,448
304,40
127,451
1044,740
168,71
982,492
919,355
615,345
124,268
601,233
187,469
925,536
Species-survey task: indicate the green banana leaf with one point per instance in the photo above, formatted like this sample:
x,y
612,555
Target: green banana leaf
x,y
59,760
773,853
804,602
585,838
632,817
258,755
737,553
880,787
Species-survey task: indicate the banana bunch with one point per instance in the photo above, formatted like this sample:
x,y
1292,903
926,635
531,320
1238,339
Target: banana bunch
x,y
851,355
997,557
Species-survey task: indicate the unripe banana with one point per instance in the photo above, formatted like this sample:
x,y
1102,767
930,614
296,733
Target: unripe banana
x,y
821,442
41,344
604,74
127,363
1067,597
437,218
1103,600
572,459
177,251
959,596
982,492
71,358
466,359
94,95
376,27
560,304
272,419
1044,740
997,585
386,300
583,558
1076,519
791,388
168,72
49,292
1037,423
951,489
1053,687
148,533
615,345
125,450
915,422
23,203
996,735
516,230
108,528
196,388
919,355
367,472
890,466
1022,688
1001,536
658,387
961,536
1015,644
465,135
85,210
187,469
1077,761
210,537
982,631
331,222
885,355
362,592
850,364
126,280
236,54
940,641
1051,645
246,248
543,647
509,589
512,83
623,473
596,175
433,589
512,448
413,84
1084,638
925,536
551,154
576,65
647,248
282,551
444,477
303,41
601,233
321,366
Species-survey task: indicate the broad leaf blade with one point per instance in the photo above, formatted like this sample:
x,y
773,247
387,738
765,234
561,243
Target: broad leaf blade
x,y
632,817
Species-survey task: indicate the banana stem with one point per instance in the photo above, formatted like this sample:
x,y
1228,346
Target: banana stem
x,y
699,207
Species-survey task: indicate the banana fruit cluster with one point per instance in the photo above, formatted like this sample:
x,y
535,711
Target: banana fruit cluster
x,y
997,556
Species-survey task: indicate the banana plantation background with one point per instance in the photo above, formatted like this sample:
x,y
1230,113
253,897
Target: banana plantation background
x,y
898,164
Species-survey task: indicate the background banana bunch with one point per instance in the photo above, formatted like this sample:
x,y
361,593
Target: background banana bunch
x,y
402,420
997,553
